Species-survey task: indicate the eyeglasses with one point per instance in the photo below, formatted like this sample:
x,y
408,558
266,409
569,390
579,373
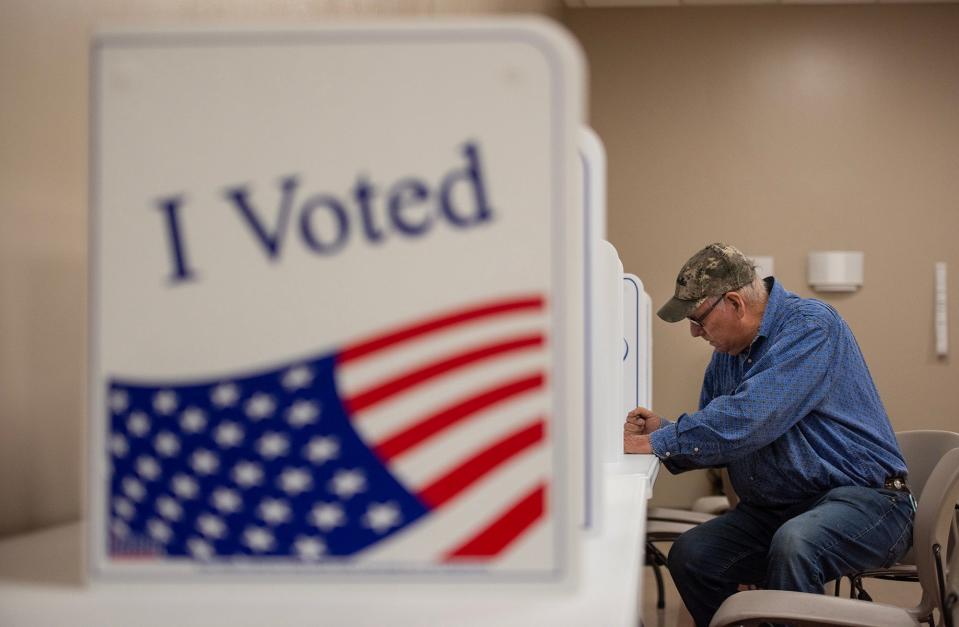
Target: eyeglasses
x,y
702,319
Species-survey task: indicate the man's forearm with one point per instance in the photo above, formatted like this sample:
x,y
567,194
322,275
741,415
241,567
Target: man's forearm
x,y
636,443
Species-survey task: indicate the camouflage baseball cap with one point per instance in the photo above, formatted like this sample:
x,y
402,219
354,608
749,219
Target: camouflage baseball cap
x,y
714,270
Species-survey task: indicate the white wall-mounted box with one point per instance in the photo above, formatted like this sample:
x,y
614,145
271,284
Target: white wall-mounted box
x,y
835,270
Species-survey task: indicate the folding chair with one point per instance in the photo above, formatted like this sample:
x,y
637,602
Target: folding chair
x,y
921,449
935,549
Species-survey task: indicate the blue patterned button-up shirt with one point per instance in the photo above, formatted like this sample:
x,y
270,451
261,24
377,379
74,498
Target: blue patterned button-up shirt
x,y
794,415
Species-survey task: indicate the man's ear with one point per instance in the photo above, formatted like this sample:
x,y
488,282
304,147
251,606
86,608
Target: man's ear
x,y
738,302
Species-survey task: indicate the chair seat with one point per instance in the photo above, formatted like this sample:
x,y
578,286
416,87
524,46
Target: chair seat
x,y
896,571
799,608
711,504
678,515
665,530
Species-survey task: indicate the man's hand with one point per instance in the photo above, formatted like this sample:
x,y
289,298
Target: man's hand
x,y
639,424
643,421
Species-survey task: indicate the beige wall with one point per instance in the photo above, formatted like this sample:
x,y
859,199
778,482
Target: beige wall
x,y
784,130
43,218
780,129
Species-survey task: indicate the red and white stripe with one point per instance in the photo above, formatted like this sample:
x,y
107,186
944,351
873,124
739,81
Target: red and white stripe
x,y
457,406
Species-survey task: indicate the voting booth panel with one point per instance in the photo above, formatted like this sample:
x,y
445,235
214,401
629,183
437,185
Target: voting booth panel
x,y
592,157
648,347
609,328
637,345
337,302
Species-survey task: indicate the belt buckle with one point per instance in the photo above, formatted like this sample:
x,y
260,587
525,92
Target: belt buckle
x,y
897,484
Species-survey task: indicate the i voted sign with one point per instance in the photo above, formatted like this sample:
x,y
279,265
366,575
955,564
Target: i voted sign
x,y
337,284
326,222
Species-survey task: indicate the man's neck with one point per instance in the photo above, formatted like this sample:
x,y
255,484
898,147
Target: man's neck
x,y
752,323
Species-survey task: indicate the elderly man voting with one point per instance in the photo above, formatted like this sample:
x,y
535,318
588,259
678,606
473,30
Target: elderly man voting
x,y
789,408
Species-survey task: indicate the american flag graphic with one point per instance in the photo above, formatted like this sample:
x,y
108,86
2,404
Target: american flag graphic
x,y
426,443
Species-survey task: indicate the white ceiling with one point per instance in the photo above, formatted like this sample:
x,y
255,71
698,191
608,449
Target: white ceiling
x,y
586,4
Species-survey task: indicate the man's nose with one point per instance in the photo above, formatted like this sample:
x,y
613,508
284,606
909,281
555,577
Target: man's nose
x,y
695,330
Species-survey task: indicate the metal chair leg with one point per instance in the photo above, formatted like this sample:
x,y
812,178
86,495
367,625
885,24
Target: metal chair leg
x,y
655,559
858,591
660,590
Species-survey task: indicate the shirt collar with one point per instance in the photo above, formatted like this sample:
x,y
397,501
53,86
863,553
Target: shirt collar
x,y
776,295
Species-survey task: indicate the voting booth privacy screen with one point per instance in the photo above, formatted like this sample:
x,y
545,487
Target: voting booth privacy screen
x,y
637,348
592,157
337,302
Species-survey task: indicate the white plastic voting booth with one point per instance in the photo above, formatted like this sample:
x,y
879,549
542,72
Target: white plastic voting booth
x,y
310,354
610,329
352,318
637,344
592,157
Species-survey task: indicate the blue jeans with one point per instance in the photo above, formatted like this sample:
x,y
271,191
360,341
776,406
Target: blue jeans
x,y
799,548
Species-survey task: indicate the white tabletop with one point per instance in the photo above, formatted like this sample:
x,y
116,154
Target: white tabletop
x,y
638,465
41,584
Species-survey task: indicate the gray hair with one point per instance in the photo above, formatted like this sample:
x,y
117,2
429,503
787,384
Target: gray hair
x,y
754,293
